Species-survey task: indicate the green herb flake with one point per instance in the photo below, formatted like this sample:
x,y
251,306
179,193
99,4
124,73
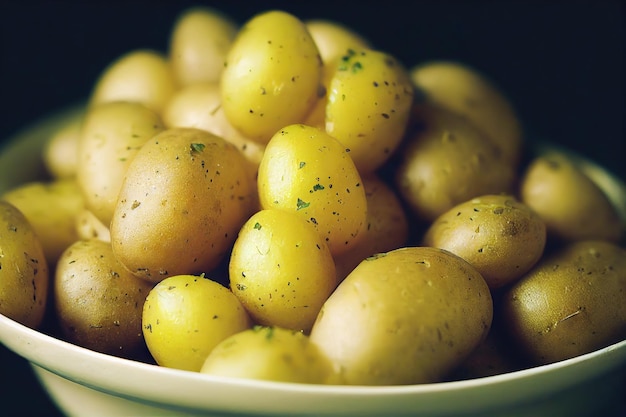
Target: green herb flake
x,y
301,204
257,226
301,165
197,147
318,187
356,67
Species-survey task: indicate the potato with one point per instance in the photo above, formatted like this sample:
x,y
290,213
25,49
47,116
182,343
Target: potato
x,y
281,269
447,161
268,353
307,171
142,75
98,302
111,135
569,202
407,316
271,76
501,237
185,196
185,316
199,42
51,208
571,303
369,102
24,273
466,91
60,152
88,226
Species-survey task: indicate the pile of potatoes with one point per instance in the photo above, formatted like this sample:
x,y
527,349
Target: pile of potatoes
x,y
281,200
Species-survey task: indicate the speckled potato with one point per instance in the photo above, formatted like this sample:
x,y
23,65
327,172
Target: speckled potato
x,y
569,202
573,302
407,316
185,316
98,302
501,237
445,161
268,353
185,196
281,269
24,273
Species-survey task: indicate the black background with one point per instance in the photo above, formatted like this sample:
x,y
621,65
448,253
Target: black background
x,y
560,62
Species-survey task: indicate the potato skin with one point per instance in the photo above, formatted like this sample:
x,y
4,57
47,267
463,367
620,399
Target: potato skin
x,y
572,302
408,316
501,237
24,273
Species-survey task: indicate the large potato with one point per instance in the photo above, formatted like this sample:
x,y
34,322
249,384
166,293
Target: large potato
x,y
24,274
407,316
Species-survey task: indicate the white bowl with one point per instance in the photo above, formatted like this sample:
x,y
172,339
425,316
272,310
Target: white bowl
x,y
83,382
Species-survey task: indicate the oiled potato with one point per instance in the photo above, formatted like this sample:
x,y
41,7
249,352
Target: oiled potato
x,y
88,226
269,353
501,237
407,316
185,196
570,203
60,152
98,302
186,316
24,274
571,303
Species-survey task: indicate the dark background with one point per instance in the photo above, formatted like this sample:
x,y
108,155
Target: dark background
x,y
560,62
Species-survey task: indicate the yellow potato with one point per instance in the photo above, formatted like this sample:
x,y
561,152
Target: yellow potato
x,y
88,226
334,39
60,153
24,273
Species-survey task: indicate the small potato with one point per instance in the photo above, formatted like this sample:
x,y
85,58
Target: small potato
x,y
569,202
98,302
268,353
143,76
281,270
185,316
307,171
51,208
24,274
88,226
407,316
501,237
334,39
60,153
199,42
571,303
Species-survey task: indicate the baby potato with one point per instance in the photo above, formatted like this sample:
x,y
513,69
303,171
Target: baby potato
x,y
281,269
268,353
307,171
111,135
51,208
447,161
98,302
199,42
143,76
464,90
501,237
185,196
571,303
60,152
370,97
271,76
333,39
24,274
88,226
185,316
572,206
407,316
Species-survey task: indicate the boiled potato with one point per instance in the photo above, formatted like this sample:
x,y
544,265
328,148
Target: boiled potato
x,y
281,269
111,135
185,196
185,316
501,237
306,171
24,274
445,161
98,302
51,208
199,42
569,202
143,76
88,226
407,316
272,74
468,92
60,152
571,303
268,353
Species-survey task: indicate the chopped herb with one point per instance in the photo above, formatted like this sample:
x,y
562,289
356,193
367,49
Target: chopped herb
x,y
318,187
301,204
257,226
197,147
302,164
